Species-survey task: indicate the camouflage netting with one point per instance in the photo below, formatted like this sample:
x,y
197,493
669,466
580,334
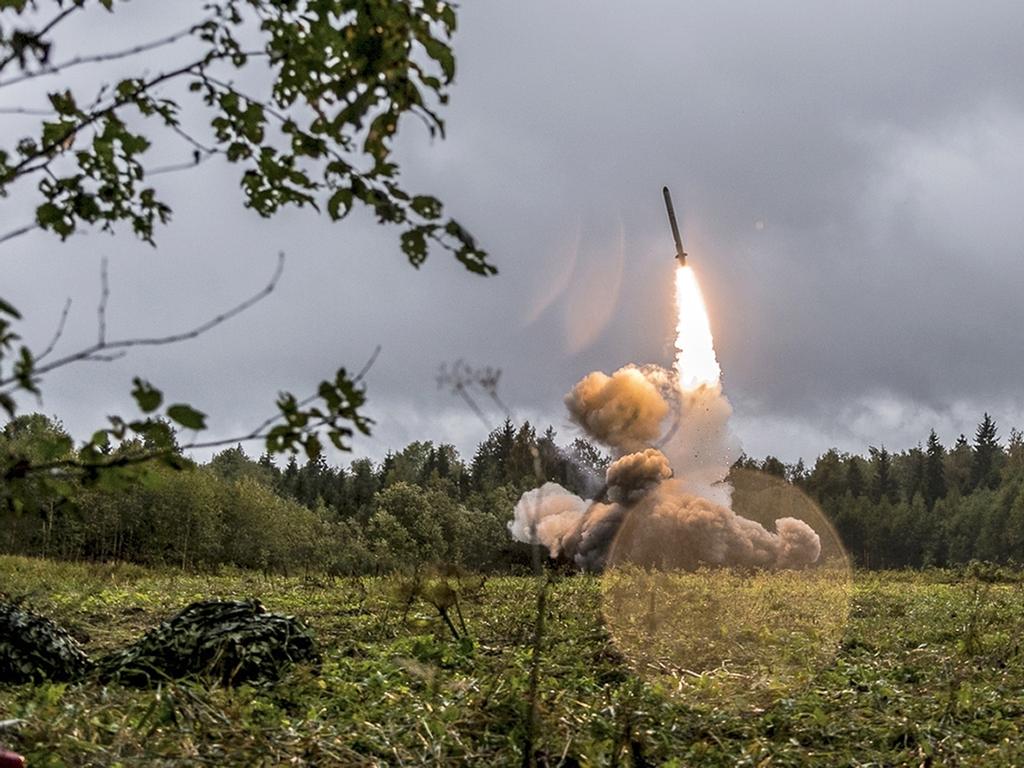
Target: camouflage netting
x,y
232,642
33,648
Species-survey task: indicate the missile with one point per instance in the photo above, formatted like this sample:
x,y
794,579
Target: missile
x,y
680,253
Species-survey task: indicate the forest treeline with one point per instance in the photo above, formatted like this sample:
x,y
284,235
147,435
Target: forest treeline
x,y
929,505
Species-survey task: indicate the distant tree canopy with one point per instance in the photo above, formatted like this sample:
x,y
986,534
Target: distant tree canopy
x,y
926,505
326,86
426,504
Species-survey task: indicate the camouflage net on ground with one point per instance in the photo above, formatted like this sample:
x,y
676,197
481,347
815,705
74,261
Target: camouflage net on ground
x,y
231,642
33,648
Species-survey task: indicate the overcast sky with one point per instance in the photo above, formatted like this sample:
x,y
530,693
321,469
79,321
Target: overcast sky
x,y
849,178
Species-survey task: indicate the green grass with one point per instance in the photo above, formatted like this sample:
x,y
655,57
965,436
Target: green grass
x,y
910,669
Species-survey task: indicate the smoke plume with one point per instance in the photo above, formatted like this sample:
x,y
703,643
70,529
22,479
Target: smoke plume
x,y
630,477
624,411
666,502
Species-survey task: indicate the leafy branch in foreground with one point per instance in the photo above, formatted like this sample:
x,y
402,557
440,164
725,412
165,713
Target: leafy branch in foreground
x,y
326,85
297,425
334,80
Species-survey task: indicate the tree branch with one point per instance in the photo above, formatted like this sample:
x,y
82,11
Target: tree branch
x,y
101,310
18,232
102,349
27,111
52,69
258,432
126,460
58,333
89,118
38,35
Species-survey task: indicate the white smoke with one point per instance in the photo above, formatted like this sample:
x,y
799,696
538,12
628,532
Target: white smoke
x,y
666,501
702,448
546,515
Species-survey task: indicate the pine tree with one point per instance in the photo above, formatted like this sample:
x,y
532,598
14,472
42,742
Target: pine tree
x,y
855,477
958,466
797,474
289,478
934,471
826,481
913,478
773,466
985,468
386,468
883,484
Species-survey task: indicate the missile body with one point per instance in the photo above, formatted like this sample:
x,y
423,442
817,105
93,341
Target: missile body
x,y
680,253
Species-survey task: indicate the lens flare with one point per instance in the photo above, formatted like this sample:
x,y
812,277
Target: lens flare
x,y
696,363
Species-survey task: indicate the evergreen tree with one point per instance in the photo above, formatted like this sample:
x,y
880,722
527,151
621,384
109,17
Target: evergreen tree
x,y
289,480
987,455
773,466
553,465
363,486
934,471
958,466
266,461
446,456
521,469
746,462
883,484
797,474
913,474
826,481
855,477
386,469
1013,467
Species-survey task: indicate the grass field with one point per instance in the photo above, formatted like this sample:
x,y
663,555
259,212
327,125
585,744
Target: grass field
x,y
908,669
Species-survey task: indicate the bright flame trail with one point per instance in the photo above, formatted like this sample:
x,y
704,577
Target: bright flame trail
x,y
696,363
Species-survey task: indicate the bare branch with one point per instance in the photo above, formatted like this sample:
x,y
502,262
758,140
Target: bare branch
x,y
58,333
107,350
125,460
368,365
18,232
99,358
462,378
38,35
198,159
52,69
193,141
101,311
27,111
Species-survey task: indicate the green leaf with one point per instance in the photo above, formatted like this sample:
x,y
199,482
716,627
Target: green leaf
x,y
7,309
426,206
414,246
339,204
187,416
146,395
442,54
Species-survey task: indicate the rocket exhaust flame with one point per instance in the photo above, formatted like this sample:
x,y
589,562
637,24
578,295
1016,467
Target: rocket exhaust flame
x,y
696,364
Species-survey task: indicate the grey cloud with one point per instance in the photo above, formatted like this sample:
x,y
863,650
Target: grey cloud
x,y
848,176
